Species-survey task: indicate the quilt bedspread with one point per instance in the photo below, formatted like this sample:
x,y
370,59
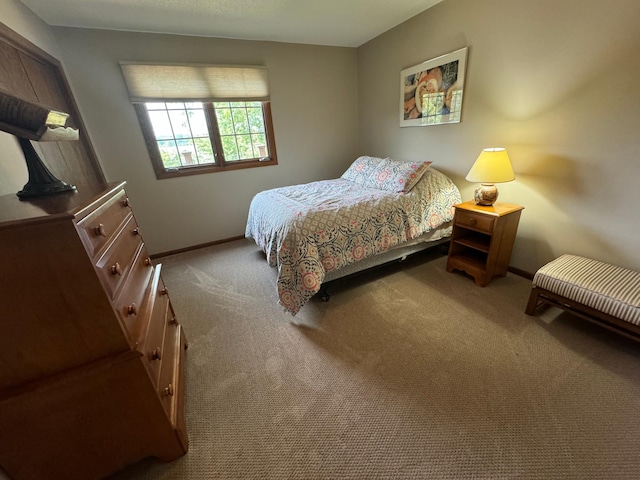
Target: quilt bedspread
x,y
308,230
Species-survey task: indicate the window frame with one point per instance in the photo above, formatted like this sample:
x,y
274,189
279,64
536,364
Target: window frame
x,y
220,165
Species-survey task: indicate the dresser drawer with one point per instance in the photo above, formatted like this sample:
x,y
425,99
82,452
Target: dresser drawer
x,y
128,304
479,222
115,264
169,386
97,228
156,314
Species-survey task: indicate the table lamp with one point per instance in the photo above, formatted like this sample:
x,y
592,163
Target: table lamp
x,y
492,166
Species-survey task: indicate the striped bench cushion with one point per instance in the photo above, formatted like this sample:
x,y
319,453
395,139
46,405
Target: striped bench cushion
x,y
607,288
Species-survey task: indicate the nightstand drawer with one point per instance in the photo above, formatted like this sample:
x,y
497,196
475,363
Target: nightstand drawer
x,y
479,222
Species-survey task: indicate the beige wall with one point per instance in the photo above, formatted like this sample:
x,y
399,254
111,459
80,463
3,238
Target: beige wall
x,y
314,109
553,82
20,19
15,15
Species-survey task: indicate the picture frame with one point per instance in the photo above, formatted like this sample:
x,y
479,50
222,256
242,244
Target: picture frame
x,y
431,92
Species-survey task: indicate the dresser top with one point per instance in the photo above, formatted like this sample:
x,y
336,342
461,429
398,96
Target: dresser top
x,y
14,211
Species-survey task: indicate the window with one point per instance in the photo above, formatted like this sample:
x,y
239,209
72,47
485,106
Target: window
x,y
199,119
197,137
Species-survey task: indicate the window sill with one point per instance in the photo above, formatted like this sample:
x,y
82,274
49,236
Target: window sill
x,y
200,169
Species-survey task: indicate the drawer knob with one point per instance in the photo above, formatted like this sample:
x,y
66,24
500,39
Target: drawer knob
x,y
100,231
164,291
136,231
132,309
156,354
147,262
472,221
116,269
126,202
173,321
168,391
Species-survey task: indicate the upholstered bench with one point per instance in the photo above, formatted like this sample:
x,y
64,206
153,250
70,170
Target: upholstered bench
x,y
593,290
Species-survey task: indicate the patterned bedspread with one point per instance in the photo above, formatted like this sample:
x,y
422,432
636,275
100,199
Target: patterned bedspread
x,y
308,230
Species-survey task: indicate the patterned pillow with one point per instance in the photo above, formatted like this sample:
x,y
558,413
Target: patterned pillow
x,y
362,170
397,176
385,173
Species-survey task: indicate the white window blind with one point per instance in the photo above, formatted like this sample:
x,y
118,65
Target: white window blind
x,y
186,82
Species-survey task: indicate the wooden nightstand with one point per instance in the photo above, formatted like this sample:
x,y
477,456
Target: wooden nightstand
x,y
482,239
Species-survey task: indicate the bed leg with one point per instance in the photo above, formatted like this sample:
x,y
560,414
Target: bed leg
x,y
324,294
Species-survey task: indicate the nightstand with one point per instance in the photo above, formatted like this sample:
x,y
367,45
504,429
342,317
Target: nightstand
x,y
482,239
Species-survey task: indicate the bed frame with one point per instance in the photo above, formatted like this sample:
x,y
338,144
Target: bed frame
x,y
434,238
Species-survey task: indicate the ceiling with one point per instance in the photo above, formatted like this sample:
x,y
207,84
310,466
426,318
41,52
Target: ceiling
x,y
347,23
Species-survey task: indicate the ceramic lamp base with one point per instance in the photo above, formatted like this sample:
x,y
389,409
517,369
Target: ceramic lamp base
x,y
486,194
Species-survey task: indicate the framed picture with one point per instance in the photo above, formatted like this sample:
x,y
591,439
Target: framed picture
x,y
431,92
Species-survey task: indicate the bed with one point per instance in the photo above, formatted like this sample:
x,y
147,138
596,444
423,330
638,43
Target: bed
x,y
378,210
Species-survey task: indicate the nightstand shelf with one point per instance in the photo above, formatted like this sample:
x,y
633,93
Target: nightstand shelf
x,y
482,240
476,241
472,259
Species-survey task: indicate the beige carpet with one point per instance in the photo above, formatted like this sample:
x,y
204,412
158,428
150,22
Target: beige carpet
x,y
409,372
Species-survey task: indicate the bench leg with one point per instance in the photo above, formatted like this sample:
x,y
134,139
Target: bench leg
x,y
539,296
533,301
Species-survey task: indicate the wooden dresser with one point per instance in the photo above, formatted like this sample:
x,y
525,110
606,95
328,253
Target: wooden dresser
x,y
91,354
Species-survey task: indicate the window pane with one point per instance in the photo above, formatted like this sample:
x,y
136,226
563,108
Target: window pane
x,y
242,128
193,104
187,151
161,125
230,148
259,139
169,154
204,150
198,123
259,146
180,124
245,148
256,123
225,121
175,106
240,120
155,106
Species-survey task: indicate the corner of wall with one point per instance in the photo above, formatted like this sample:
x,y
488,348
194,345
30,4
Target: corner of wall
x,y
23,21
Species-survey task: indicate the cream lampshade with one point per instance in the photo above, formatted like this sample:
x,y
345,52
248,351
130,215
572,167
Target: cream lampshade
x,y
492,166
